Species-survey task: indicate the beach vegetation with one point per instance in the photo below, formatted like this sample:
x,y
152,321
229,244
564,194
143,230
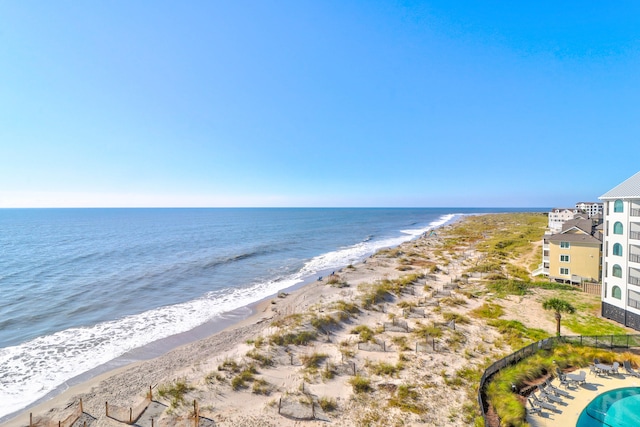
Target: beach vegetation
x,y
453,301
262,359
375,293
346,349
401,343
502,288
384,368
290,321
312,361
336,281
517,272
175,392
293,338
364,332
390,253
360,384
346,307
328,404
406,398
515,334
455,340
324,323
229,365
261,386
458,318
246,375
425,331
215,376
487,311
329,371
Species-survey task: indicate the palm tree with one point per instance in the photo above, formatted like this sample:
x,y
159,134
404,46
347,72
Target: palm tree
x,y
559,306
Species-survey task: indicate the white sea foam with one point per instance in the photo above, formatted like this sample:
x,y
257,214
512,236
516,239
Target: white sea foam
x,y
31,370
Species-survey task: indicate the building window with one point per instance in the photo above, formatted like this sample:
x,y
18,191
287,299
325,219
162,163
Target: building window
x,y
617,249
565,245
634,299
617,228
617,206
617,271
564,271
564,258
616,292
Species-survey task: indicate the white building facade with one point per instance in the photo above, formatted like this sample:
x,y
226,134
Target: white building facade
x,y
621,253
559,216
590,208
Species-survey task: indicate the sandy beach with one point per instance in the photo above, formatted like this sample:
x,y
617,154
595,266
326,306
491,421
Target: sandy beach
x,y
293,361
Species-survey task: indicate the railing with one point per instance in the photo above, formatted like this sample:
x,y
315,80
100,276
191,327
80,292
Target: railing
x,y
634,212
634,258
597,341
634,280
634,235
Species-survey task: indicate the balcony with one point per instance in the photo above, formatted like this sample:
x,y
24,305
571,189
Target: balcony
x,y
634,212
634,235
634,258
634,280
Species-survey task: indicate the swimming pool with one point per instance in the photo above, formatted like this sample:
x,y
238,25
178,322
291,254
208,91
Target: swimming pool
x,y
615,408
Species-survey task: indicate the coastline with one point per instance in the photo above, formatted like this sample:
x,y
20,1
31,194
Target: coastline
x,y
242,322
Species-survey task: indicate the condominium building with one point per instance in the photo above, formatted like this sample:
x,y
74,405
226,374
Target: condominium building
x,y
592,209
574,254
621,254
558,216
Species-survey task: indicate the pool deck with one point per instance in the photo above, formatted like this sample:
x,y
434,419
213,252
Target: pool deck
x,y
581,395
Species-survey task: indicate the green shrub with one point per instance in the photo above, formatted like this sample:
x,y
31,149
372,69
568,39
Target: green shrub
x,y
175,392
360,384
328,404
296,338
365,333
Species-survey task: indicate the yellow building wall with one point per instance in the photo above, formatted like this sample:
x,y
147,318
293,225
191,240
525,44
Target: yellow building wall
x,y
584,261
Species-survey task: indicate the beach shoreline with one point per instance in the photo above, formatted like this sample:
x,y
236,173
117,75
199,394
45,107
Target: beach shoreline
x,y
235,323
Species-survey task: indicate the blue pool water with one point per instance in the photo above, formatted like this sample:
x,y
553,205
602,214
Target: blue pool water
x,y
615,408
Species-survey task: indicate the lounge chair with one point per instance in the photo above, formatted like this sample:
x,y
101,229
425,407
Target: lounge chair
x,y
549,388
532,409
562,378
542,404
549,397
627,367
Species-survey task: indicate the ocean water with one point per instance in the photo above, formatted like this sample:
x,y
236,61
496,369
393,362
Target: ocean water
x,y
82,287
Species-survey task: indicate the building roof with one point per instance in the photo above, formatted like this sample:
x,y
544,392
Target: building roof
x,y
574,238
584,225
628,189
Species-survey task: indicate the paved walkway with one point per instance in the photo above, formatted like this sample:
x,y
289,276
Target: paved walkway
x,y
571,407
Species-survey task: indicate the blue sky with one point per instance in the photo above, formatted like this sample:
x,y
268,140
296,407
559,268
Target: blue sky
x,y
317,103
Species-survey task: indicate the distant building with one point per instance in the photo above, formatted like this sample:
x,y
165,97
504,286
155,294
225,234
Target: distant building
x,y
621,255
558,216
592,209
573,255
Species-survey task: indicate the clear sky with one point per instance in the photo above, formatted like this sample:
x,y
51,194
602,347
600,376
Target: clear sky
x,y
317,103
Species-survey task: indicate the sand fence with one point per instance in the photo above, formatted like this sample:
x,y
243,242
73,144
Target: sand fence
x,y
145,413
